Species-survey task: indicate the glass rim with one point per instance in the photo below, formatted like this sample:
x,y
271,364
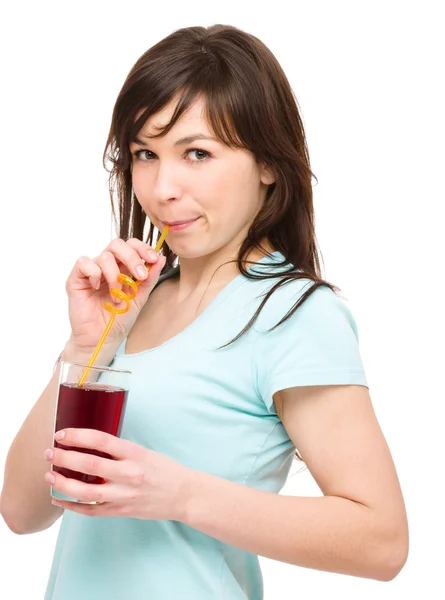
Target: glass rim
x,y
95,367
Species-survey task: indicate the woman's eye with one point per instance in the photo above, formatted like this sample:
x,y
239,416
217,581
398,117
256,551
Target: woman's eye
x,y
139,155
198,155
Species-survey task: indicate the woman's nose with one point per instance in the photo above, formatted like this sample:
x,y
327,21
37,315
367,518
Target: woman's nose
x,y
166,186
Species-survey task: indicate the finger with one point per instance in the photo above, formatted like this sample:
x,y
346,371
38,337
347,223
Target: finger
x,y
84,269
110,270
82,462
133,258
89,510
104,509
154,271
97,440
145,251
86,492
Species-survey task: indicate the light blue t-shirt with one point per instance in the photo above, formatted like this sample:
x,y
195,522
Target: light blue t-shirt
x,y
211,410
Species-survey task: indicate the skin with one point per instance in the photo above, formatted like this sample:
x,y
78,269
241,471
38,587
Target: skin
x,y
359,525
224,188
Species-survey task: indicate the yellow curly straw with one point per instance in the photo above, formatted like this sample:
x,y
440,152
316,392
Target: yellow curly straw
x,y
121,295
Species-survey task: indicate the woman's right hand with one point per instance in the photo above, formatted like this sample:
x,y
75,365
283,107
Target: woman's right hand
x,y
88,287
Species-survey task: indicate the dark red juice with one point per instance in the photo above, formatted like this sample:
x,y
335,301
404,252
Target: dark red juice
x,y
93,406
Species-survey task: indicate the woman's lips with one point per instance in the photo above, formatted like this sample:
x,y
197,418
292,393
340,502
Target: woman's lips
x,y
180,225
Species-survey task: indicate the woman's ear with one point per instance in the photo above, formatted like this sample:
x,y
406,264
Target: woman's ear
x,y
267,175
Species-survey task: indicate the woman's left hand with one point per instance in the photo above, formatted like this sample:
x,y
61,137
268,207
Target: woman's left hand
x,y
139,483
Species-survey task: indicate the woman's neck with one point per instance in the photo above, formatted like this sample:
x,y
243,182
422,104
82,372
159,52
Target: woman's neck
x,y
212,272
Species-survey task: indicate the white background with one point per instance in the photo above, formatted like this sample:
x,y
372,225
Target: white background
x,y
367,77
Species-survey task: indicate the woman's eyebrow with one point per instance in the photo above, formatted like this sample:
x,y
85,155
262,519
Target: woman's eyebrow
x,y
185,140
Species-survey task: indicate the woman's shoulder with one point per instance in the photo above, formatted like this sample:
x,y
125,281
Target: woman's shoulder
x,y
291,286
274,272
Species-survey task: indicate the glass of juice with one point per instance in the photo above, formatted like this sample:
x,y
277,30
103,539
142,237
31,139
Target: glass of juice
x,y
99,404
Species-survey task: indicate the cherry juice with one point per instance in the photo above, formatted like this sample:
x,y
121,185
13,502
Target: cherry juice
x,y
93,406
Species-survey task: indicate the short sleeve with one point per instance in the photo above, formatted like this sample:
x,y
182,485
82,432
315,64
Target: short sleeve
x,y
317,345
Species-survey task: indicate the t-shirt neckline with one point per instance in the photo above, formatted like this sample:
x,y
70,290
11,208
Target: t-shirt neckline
x,y
230,287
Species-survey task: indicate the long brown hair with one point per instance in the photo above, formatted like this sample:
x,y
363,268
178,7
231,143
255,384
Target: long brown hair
x,y
250,105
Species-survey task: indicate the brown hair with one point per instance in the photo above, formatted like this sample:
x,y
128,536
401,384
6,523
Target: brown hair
x,y
250,105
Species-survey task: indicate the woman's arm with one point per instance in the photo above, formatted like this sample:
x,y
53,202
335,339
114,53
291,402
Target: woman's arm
x,y
359,527
25,501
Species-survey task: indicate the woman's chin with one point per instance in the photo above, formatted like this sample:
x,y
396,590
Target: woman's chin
x,y
189,250
188,253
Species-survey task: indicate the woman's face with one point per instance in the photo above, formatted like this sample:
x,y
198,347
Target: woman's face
x,y
207,192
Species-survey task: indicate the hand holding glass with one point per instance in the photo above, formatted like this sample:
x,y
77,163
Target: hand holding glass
x,y
98,404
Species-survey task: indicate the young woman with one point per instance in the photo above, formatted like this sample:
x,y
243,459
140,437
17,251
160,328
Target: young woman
x,y
240,354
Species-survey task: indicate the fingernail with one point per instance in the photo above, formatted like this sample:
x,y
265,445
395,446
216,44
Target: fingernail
x,y
56,502
152,255
59,435
48,454
50,477
142,272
